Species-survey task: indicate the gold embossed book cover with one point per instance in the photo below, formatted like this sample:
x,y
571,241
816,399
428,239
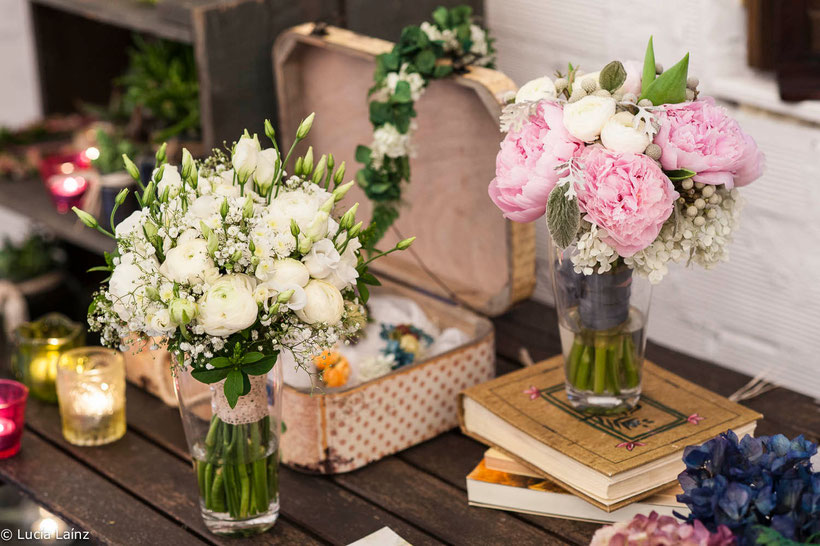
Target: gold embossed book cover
x,y
610,460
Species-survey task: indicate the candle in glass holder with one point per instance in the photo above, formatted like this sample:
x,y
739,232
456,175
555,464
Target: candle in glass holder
x,y
91,392
39,345
13,396
66,190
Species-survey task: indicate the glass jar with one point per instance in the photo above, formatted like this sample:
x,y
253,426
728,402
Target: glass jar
x,y
13,396
38,346
602,321
91,392
235,450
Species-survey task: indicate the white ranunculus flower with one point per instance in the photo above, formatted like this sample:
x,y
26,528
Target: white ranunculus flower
x,y
297,205
127,284
620,136
345,273
187,262
205,207
535,90
158,323
287,271
322,259
585,119
592,76
245,156
228,306
265,168
170,179
324,303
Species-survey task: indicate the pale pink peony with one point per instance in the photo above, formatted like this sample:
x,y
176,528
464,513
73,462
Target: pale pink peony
x,y
627,195
655,530
700,136
525,167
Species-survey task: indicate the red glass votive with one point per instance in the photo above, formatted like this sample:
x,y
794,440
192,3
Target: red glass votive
x,y
66,190
13,396
66,163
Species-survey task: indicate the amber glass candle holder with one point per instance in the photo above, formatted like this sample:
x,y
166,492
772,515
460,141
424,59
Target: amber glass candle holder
x,y
91,392
39,345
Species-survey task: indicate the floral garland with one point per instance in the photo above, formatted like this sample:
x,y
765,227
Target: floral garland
x,y
451,43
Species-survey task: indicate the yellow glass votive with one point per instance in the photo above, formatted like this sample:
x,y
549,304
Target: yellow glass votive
x,y
39,345
91,392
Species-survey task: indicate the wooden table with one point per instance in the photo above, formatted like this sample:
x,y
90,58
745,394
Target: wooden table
x,y
141,489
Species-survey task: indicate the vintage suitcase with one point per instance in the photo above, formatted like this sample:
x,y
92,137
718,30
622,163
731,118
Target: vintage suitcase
x,y
467,261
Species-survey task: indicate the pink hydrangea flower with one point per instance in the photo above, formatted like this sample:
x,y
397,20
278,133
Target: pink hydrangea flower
x,y
525,167
627,195
655,530
700,136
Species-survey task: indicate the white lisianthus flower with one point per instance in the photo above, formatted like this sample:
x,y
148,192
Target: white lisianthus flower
x,y
535,90
286,271
620,134
158,323
324,303
265,168
132,225
171,179
586,118
245,156
318,227
188,262
345,274
298,299
182,311
228,306
322,259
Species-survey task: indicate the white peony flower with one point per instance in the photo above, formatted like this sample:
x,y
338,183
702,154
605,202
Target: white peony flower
x,y
286,271
622,134
188,262
170,179
535,90
586,118
245,156
228,306
322,259
265,168
324,304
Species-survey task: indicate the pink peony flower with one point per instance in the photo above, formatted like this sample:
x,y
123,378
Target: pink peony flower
x,y
700,136
525,167
655,530
627,195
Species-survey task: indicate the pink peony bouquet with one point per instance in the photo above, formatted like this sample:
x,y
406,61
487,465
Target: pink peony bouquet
x,y
655,530
629,164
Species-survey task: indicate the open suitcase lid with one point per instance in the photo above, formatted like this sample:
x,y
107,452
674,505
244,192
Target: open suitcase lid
x,y
462,240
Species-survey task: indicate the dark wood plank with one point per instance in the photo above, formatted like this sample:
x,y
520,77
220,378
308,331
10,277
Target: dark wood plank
x,y
426,501
75,493
313,502
436,457
150,473
386,18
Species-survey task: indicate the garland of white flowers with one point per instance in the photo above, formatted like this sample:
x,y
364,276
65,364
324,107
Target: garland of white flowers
x,y
401,77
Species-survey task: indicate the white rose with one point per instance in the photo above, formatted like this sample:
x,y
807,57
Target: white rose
x,y
585,119
127,284
324,303
171,179
620,136
265,168
286,271
322,259
158,323
228,306
535,90
245,156
188,262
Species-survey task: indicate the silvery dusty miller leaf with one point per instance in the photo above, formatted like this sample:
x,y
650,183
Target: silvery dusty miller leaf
x,y
563,217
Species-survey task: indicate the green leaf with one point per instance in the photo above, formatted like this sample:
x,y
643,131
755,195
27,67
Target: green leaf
x,y
210,376
402,93
440,16
612,76
369,278
390,61
234,387
669,87
648,75
563,217
425,61
364,292
380,113
363,154
246,383
261,366
251,357
220,362
99,268
679,174
442,70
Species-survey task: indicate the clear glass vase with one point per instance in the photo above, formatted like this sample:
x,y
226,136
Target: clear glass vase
x,y
235,451
602,320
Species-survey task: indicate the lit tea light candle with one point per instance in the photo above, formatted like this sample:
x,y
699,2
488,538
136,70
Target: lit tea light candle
x,y
66,190
91,389
13,396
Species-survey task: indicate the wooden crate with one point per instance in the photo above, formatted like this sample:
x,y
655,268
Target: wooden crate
x,y
465,252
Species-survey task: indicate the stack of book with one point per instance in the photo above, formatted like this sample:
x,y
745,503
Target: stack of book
x,y
548,456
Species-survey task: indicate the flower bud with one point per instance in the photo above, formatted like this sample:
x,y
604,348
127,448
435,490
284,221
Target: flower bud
x,y
182,311
131,167
247,210
294,228
223,209
304,127
165,193
206,231
319,173
120,198
307,162
318,227
269,131
152,293
86,218
285,296
245,155
341,191
340,175
158,173
349,217
148,194
161,157
305,243
187,163
213,243
355,230
330,163
297,169
194,178
405,244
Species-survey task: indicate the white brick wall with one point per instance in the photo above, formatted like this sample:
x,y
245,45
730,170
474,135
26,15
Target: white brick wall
x,y
761,310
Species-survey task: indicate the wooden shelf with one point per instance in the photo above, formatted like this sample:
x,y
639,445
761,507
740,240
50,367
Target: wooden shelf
x,y
31,199
130,14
